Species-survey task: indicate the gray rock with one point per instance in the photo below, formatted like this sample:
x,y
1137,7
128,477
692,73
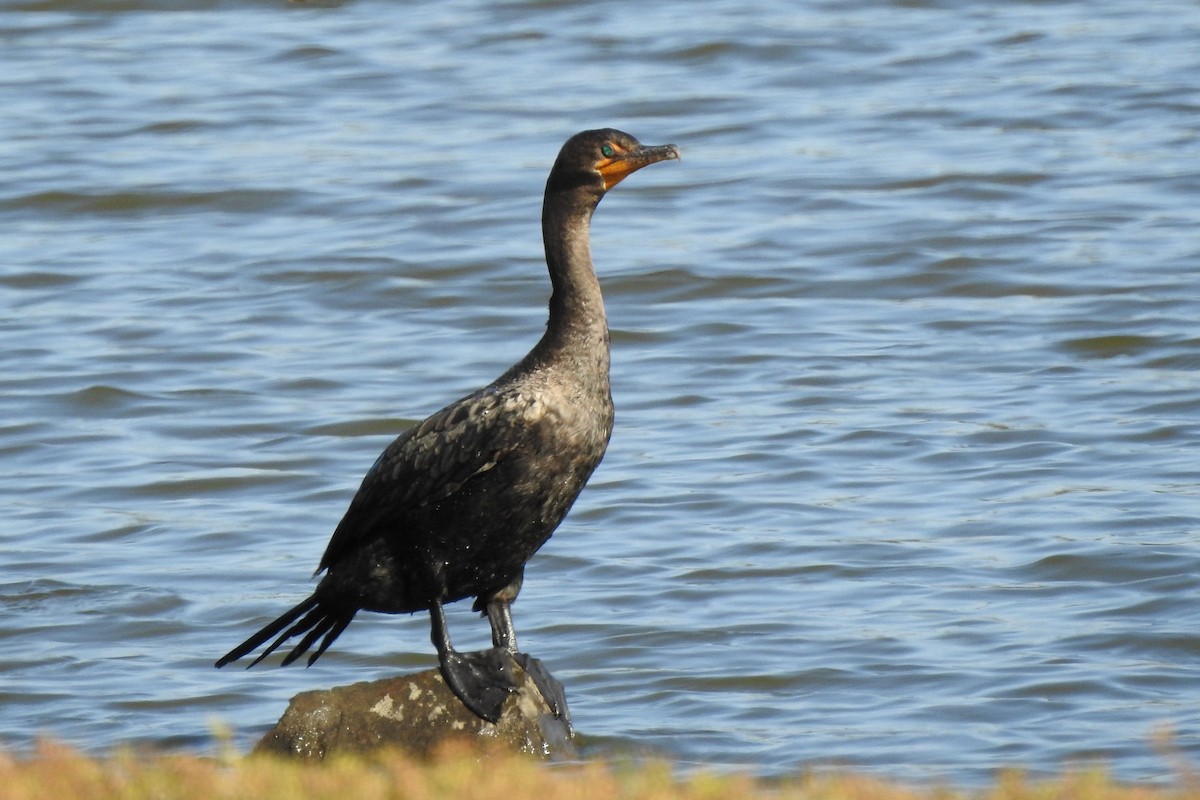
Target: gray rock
x,y
417,713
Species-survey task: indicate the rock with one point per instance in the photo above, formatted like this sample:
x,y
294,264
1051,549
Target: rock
x,y
417,713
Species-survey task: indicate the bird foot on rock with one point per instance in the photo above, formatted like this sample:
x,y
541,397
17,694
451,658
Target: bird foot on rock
x,y
552,691
483,680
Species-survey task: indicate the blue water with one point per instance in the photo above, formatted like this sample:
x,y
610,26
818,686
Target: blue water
x,y
906,363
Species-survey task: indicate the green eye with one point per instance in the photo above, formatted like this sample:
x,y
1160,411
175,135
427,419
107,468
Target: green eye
x,y
607,151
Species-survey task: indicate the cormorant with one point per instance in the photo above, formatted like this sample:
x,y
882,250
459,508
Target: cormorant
x,y
456,505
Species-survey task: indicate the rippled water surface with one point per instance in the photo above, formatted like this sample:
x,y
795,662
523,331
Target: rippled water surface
x,y
906,362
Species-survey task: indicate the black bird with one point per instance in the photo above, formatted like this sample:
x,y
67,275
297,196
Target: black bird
x,y
457,505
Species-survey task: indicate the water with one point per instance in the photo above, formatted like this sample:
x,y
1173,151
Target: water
x,y
905,359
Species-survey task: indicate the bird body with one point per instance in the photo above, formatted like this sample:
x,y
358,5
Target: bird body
x,y
492,464
457,504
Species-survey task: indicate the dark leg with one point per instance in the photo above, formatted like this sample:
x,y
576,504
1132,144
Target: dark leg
x,y
499,614
481,680
497,608
504,637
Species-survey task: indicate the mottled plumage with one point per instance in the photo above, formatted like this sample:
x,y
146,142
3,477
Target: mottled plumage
x,y
457,505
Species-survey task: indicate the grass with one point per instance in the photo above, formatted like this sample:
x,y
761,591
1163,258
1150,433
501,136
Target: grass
x,y
58,772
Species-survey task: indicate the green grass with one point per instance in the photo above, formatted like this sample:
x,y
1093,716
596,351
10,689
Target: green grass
x,y
55,772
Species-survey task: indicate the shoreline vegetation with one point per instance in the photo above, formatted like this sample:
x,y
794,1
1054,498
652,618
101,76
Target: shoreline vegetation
x,y
462,773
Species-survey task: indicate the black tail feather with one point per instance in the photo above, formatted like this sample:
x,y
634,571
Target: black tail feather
x,y
329,637
315,615
317,622
315,618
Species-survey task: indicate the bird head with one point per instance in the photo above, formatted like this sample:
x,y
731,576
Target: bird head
x,y
602,158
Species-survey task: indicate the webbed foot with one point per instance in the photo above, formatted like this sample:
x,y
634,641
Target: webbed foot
x,y
552,691
483,680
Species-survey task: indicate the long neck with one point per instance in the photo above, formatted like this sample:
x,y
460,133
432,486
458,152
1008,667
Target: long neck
x,y
577,332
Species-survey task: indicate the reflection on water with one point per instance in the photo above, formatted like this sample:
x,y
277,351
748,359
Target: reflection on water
x,y
904,359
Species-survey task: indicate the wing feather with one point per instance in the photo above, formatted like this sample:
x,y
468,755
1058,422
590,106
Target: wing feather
x,y
431,461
